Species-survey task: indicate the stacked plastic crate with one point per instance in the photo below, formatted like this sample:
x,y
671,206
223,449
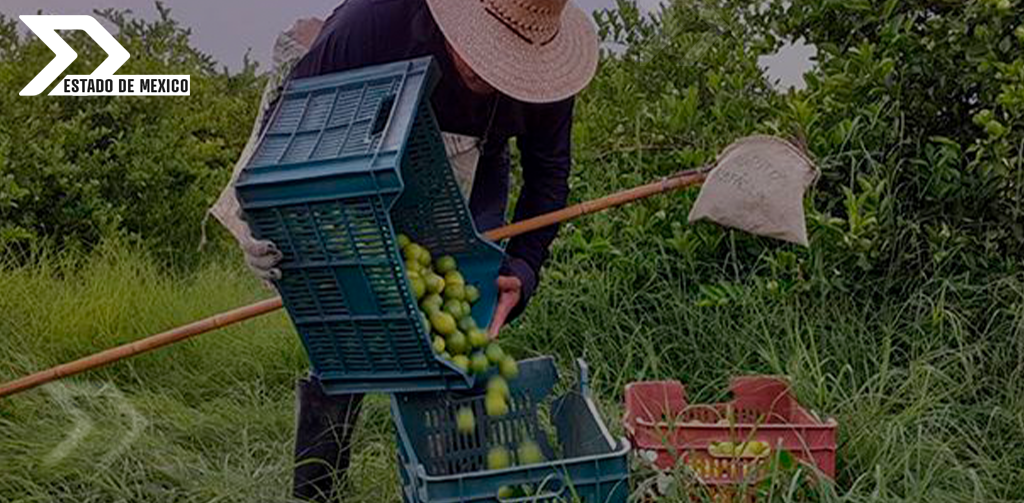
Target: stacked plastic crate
x,y
347,162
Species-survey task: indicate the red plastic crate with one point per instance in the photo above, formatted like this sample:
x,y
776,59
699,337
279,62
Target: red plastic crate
x,y
664,429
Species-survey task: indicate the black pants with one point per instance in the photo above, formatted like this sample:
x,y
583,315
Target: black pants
x,y
323,440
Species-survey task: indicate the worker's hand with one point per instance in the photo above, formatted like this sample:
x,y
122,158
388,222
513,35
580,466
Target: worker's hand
x,y
510,290
262,258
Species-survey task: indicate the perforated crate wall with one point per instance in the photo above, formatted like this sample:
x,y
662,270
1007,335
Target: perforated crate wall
x,y
438,464
348,161
667,432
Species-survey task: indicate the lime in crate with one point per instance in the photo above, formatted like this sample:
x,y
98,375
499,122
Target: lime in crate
x,y
453,449
348,162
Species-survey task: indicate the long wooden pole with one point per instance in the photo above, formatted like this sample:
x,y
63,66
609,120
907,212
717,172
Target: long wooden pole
x,y
675,182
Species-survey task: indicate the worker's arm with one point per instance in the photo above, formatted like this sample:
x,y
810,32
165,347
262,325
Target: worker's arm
x,y
546,157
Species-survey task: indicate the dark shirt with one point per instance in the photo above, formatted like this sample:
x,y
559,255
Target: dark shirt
x,y
369,32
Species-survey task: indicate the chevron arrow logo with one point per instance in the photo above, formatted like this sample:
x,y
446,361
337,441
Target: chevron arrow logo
x,y
102,82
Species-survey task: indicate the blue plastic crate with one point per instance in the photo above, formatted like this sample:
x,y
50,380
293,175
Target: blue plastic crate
x,y
438,464
348,161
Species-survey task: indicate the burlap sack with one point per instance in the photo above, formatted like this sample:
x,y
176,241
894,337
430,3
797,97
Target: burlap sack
x,y
758,186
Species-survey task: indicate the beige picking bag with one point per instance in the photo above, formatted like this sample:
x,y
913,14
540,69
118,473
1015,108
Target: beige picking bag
x,y
758,186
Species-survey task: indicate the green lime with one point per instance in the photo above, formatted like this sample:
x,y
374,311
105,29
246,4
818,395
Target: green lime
x,y
431,304
457,343
444,323
498,386
494,353
508,367
413,267
462,362
425,321
465,421
506,492
412,252
446,264
454,278
478,339
446,355
529,453
403,241
435,283
467,323
466,308
472,294
423,256
455,292
453,307
495,405
498,458
419,288
478,363
439,345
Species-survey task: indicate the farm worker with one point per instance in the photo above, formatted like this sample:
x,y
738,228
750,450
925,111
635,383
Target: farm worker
x,y
510,69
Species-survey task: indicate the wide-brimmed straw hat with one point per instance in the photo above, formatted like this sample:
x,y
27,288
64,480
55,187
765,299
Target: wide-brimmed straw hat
x,y
532,50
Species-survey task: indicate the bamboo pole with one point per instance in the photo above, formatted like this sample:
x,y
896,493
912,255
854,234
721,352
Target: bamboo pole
x,y
134,348
668,184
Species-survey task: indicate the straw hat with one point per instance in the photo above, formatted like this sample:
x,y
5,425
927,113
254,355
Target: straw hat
x,y
532,50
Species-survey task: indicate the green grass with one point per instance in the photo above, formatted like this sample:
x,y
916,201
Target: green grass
x,y
927,389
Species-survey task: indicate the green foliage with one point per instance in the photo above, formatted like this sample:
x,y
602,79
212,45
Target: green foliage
x,y
76,170
916,116
903,319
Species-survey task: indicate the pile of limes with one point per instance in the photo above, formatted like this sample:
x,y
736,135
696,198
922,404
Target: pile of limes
x,y
446,304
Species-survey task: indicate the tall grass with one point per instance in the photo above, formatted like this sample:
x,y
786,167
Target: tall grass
x,y
927,389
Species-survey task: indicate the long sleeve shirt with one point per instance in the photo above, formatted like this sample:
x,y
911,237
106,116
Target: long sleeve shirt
x,y
368,32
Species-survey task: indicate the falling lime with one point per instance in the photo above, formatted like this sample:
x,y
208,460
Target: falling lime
x,y
494,352
508,367
478,363
465,421
478,339
495,405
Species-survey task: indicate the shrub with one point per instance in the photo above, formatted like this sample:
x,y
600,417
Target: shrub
x,y
76,170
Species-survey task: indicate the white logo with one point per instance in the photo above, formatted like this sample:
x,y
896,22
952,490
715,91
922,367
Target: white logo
x,y
102,82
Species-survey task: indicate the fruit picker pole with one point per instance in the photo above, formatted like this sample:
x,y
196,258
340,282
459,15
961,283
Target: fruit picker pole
x,y
675,182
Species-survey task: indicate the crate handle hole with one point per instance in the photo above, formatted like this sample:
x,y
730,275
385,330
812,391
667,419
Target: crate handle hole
x,y
383,114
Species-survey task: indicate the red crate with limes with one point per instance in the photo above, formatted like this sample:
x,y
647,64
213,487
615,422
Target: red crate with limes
x,y
726,443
